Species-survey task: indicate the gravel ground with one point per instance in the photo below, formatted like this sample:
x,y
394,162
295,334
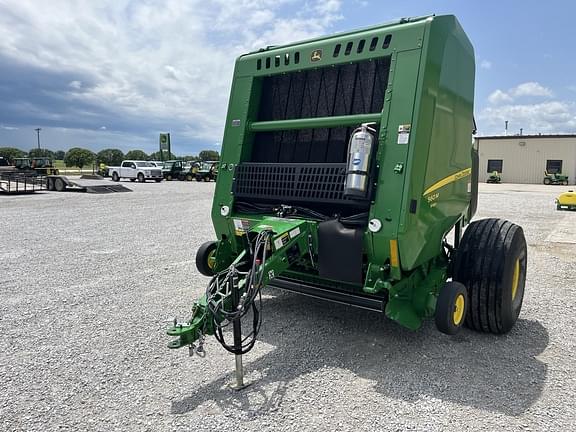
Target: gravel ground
x,y
89,284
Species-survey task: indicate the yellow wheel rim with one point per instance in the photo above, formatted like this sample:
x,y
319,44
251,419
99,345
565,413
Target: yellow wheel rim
x,y
458,310
515,278
212,259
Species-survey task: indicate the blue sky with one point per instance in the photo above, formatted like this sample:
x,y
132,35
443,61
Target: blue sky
x,y
115,73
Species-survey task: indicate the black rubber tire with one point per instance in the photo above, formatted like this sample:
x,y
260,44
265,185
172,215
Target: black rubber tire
x,y
141,178
115,176
547,181
158,180
202,256
189,177
199,178
447,320
59,185
50,184
564,182
490,260
169,177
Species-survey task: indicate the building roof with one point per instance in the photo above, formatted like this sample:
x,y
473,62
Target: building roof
x,y
525,136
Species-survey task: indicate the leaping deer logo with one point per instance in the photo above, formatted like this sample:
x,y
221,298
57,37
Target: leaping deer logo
x,y
316,55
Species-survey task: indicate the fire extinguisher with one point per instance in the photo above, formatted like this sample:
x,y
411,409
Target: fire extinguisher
x,y
360,150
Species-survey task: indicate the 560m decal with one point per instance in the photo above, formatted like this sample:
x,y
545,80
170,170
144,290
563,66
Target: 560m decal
x,y
447,180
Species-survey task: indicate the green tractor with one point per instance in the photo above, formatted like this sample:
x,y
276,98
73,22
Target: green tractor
x,y
494,178
555,179
41,165
347,174
207,171
172,169
179,170
23,164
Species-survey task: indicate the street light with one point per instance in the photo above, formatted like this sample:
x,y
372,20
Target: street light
x,y
38,134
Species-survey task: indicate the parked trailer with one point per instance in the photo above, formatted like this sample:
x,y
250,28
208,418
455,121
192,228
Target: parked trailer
x,y
21,182
89,184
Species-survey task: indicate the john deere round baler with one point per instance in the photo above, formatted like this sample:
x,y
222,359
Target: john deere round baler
x,y
346,161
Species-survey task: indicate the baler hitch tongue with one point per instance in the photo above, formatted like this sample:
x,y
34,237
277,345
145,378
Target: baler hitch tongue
x,y
235,291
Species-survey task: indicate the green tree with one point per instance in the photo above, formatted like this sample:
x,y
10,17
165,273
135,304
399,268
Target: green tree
x,y
78,157
59,155
209,155
156,156
36,152
190,158
110,156
11,153
136,155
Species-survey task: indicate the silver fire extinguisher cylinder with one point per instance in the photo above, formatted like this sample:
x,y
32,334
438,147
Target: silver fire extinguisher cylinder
x,y
360,150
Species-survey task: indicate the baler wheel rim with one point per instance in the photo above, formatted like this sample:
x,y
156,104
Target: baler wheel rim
x,y
211,259
459,306
515,278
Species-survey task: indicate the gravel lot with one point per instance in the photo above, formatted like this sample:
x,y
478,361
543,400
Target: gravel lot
x,y
89,283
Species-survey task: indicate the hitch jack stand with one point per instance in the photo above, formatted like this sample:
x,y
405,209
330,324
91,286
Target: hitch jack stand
x,y
237,333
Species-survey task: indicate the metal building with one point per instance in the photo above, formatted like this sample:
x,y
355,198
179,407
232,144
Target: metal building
x,y
525,158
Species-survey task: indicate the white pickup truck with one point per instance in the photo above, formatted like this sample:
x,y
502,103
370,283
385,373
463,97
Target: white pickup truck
x,y
136,170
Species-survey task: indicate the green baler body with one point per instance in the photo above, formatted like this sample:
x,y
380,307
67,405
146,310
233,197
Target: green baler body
x,y
419,91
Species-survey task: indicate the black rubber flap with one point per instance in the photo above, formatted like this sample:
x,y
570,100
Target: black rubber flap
x,y
340,252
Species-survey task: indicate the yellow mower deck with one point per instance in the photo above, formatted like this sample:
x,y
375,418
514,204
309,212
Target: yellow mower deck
x,y
566,201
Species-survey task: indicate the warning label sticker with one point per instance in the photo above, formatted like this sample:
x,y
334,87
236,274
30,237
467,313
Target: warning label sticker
x,y
404,133
294,232
281,241
241,226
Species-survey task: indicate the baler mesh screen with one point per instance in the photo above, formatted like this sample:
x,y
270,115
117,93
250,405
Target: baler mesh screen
x,y
347,89
290,183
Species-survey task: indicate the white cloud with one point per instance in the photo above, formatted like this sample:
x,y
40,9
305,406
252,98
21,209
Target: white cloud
x,y
485,64
329,6
165,59
545,117
498,97
531,89
528,89
10,128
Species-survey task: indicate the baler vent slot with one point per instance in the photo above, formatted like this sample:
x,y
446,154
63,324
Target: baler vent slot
x,y
337,48
348,48
387,41
291,183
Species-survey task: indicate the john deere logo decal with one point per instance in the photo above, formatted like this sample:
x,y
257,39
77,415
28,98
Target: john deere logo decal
x,y
316,55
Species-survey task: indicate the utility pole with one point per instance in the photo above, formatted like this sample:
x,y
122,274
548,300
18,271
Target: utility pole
x,y
38,135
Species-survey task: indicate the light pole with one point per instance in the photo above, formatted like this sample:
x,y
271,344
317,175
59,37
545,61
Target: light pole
x,y
38,135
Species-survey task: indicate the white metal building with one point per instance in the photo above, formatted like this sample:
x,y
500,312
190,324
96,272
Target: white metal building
x,y
524,158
